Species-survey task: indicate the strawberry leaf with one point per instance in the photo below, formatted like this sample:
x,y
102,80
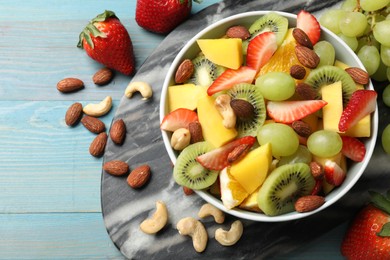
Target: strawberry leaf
x,y
380,201
385,231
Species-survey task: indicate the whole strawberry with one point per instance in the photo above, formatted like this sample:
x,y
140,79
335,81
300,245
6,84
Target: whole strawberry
x,y
107,41
368,237
162,16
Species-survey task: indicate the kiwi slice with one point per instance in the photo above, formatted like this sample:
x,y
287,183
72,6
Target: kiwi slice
x,y
205,71
252,94
271,22
283,187
188,172
328,74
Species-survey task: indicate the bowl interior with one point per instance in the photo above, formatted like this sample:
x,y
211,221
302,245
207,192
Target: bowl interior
x,y
343,53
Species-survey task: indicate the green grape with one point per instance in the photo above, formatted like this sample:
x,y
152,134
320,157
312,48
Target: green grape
x,y
353,24
330,19
352,42
283,139
349,5
386,139
302,155
324,143
369,56
381,32
385,55
373,5
386,96
276,86
388,73
326,52
381,73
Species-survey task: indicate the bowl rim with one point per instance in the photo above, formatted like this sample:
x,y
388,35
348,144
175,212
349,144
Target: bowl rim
x,y
258,216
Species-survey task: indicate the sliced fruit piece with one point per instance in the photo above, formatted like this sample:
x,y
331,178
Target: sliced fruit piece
x,y
283,187
211,122
334,174
231,77
361,104
331,113
252,94
252,170
361,129
353,148
224,52
260,50
232,193
217,159
179,118
183,96
205,72
250,203
290,111
309,24
189,173
271,22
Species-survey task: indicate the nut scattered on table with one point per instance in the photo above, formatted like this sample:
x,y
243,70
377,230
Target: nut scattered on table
x,y
139,176
73,114
209,210
157,221
69,85
98,145
118,131
230,237
144,88
99,109
116,167
195,229
93,124
103,76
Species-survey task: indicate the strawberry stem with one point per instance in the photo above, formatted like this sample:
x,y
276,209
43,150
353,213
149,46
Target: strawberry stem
x,y
380,201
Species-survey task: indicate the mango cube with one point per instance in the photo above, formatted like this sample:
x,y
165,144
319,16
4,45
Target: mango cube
x,y
250,203
232,193
183,96
332,94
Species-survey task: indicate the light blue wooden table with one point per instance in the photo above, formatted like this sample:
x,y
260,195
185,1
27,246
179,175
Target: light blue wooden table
x,y
49,184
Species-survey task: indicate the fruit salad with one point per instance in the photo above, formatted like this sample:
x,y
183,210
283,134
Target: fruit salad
x,y
266,118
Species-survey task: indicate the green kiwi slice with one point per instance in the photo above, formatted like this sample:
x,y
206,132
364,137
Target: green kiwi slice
x,y
271,22
252,94
328,74
205,71
188,172
283,187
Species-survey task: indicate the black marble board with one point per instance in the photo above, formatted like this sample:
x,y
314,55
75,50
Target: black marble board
x,y
124,208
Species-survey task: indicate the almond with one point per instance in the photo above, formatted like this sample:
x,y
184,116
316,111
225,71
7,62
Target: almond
x,y
301,128
305,91
98,145
73,114
302,39
309,203
68,85
118,131
317,170
358,75
196,133
185,71
139,176
307,57
242,108
238,152
116,167
297,72
103,76
93,124
238,31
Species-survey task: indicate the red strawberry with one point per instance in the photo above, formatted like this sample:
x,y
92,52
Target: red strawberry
x,y
368,236
309,24
317,188
162,16
179,118
362,103
217,159
334,174
230,77
107,41
290,111
353,148
260,50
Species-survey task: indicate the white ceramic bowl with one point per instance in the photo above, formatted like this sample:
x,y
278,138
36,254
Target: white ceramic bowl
x,y
343,53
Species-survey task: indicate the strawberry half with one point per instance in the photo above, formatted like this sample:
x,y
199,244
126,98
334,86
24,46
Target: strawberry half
x,y
179,118
362,103
290,111
334,174
353,148
231,77
309,24
260,50
217,159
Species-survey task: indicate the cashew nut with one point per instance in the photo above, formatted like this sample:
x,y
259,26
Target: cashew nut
x,y
209,210
144,88
157,221
98,109
222,103
229,238
195,229
180,139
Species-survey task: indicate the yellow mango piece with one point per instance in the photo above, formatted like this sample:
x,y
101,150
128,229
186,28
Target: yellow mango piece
x,y
331,113
361,129
252,170
183,96
232,193
223,52
250,203
211,122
